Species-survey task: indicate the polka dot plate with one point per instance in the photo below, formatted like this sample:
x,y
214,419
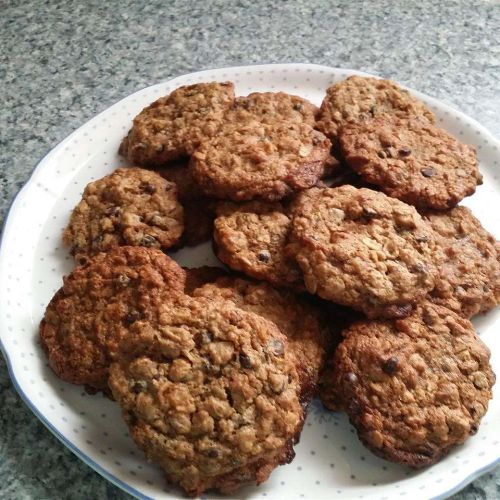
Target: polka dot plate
x,y
330,461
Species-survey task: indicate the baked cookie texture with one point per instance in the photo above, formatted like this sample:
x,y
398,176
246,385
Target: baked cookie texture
x,y
469,279
89,316
304,323
267,161
412,160
131,206
416,387
358,98
251,238
269,107
173,126
210,393
362,249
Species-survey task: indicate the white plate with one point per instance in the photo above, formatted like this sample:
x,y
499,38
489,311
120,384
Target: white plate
x,y
330,461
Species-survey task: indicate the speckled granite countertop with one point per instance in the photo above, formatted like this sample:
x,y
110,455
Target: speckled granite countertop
x,y
65,61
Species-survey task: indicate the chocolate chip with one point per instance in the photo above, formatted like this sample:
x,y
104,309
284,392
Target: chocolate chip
x,y
382,154
428,172
97,240
213,453
369,212
148,188
390,365
245,360
405,152
139,386
149,241
131,317
398,311
421,239
298,106
373,110
351,377
264,256
276,347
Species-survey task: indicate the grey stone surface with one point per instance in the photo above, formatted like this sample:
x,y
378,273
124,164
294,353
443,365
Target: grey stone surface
x,y
61,62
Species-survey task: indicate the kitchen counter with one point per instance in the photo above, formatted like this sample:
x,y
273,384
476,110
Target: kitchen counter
x,y
64,61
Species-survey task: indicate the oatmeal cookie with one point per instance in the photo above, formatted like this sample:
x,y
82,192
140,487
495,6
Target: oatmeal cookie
x,y
360,98
270,107
251,238
362,249
131,206
412,160
179,173
210,393
303,323
469,279
268,161
173,126
416,387
89,316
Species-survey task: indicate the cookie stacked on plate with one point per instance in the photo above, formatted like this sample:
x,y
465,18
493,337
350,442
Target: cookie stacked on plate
x,y
321,215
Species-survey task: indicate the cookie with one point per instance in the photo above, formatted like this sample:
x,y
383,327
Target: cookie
x,y
179,173
414,388
267,161
360,98
303,323
89,316
131,206
362,249
173,126
251,238
412,160
210,393
469,279
269,107
196,277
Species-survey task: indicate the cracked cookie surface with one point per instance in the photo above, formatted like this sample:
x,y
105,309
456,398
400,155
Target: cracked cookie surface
x,y
412,160
416,387
469,279
362,249
88,317
131,206
210,393
251,238
267,161
173,126
359,98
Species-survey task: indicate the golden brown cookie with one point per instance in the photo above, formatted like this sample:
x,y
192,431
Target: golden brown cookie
x,y
360,98
89,316
412,160
414,388
362,249
303,323
268,161
173,126
269,107
251,238
210,393
469,279
131,206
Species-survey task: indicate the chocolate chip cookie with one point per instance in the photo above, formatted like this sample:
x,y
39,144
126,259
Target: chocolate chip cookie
x,y
131,206
173,126
412,160
362,249
360,98
414,388
303,323
210,393
469,279
89,316
251,238
274,106
267,161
